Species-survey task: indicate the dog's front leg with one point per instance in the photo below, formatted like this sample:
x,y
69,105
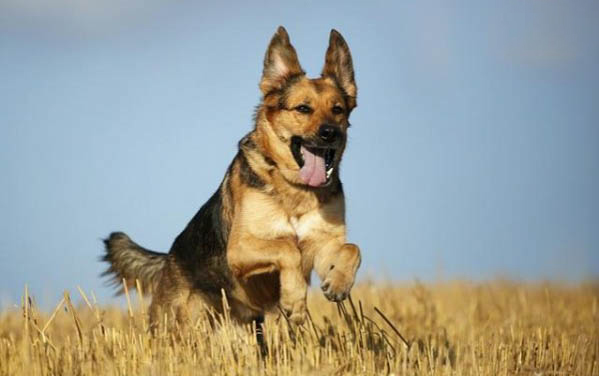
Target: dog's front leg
x,y
322,239
251,255
336,263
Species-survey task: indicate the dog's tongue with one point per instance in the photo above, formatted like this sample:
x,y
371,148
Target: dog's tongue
x,y
313,171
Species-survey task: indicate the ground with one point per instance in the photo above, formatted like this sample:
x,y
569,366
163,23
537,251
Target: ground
x,y
450,328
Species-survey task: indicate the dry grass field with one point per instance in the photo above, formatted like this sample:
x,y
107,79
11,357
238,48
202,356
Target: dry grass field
x,y
458,328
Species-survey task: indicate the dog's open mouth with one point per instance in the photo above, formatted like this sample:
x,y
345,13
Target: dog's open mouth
x,y
316,163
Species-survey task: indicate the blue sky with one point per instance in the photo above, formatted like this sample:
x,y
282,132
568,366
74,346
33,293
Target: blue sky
x,y
474,150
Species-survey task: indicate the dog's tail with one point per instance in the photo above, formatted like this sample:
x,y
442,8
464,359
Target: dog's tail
x,y
131,262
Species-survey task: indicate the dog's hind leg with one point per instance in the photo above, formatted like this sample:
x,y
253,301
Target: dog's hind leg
x,y
171,299
168,306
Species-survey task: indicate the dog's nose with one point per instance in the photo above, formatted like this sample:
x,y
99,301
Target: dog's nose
x,y
328,133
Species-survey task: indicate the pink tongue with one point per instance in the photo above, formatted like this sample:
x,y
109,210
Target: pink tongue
x,y
313,171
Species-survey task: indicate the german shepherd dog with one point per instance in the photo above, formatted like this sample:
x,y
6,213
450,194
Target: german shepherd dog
x,y
278,213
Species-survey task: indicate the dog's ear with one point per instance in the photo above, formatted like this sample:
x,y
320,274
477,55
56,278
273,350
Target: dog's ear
x,y
338,65
280,62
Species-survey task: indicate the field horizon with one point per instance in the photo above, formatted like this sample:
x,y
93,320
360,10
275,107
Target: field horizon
x,y
498,327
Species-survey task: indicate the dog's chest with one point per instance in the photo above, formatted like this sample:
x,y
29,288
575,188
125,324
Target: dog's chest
x,y
265,218
304,225
294,226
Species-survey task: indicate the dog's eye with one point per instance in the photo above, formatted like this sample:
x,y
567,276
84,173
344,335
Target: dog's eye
x,y
337,110
303,109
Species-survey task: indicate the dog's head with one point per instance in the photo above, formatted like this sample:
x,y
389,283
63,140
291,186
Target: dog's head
x,y
305,120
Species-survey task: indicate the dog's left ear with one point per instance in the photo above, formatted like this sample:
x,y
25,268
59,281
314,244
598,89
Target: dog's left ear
x,y
280,62
338,64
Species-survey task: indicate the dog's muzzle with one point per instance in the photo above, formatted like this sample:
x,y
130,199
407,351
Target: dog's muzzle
x,y
316,158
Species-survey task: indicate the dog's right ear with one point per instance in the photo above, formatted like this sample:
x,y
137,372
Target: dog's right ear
x,y
280,62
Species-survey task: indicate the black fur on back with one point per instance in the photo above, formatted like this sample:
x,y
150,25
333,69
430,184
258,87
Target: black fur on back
x,y
200,250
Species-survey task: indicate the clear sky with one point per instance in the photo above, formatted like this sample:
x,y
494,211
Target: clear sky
x,y
474,150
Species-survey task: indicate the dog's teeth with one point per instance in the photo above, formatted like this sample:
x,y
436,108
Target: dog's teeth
x,y
329,172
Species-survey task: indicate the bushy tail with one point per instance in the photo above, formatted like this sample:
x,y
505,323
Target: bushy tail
x,y
129,261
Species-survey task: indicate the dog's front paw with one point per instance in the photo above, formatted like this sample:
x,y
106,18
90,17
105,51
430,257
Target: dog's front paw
x,y
295,311
337,285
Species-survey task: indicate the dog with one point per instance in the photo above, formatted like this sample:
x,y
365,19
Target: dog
x,y
278,213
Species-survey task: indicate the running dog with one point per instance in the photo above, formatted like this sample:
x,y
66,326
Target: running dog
x,y
279,212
